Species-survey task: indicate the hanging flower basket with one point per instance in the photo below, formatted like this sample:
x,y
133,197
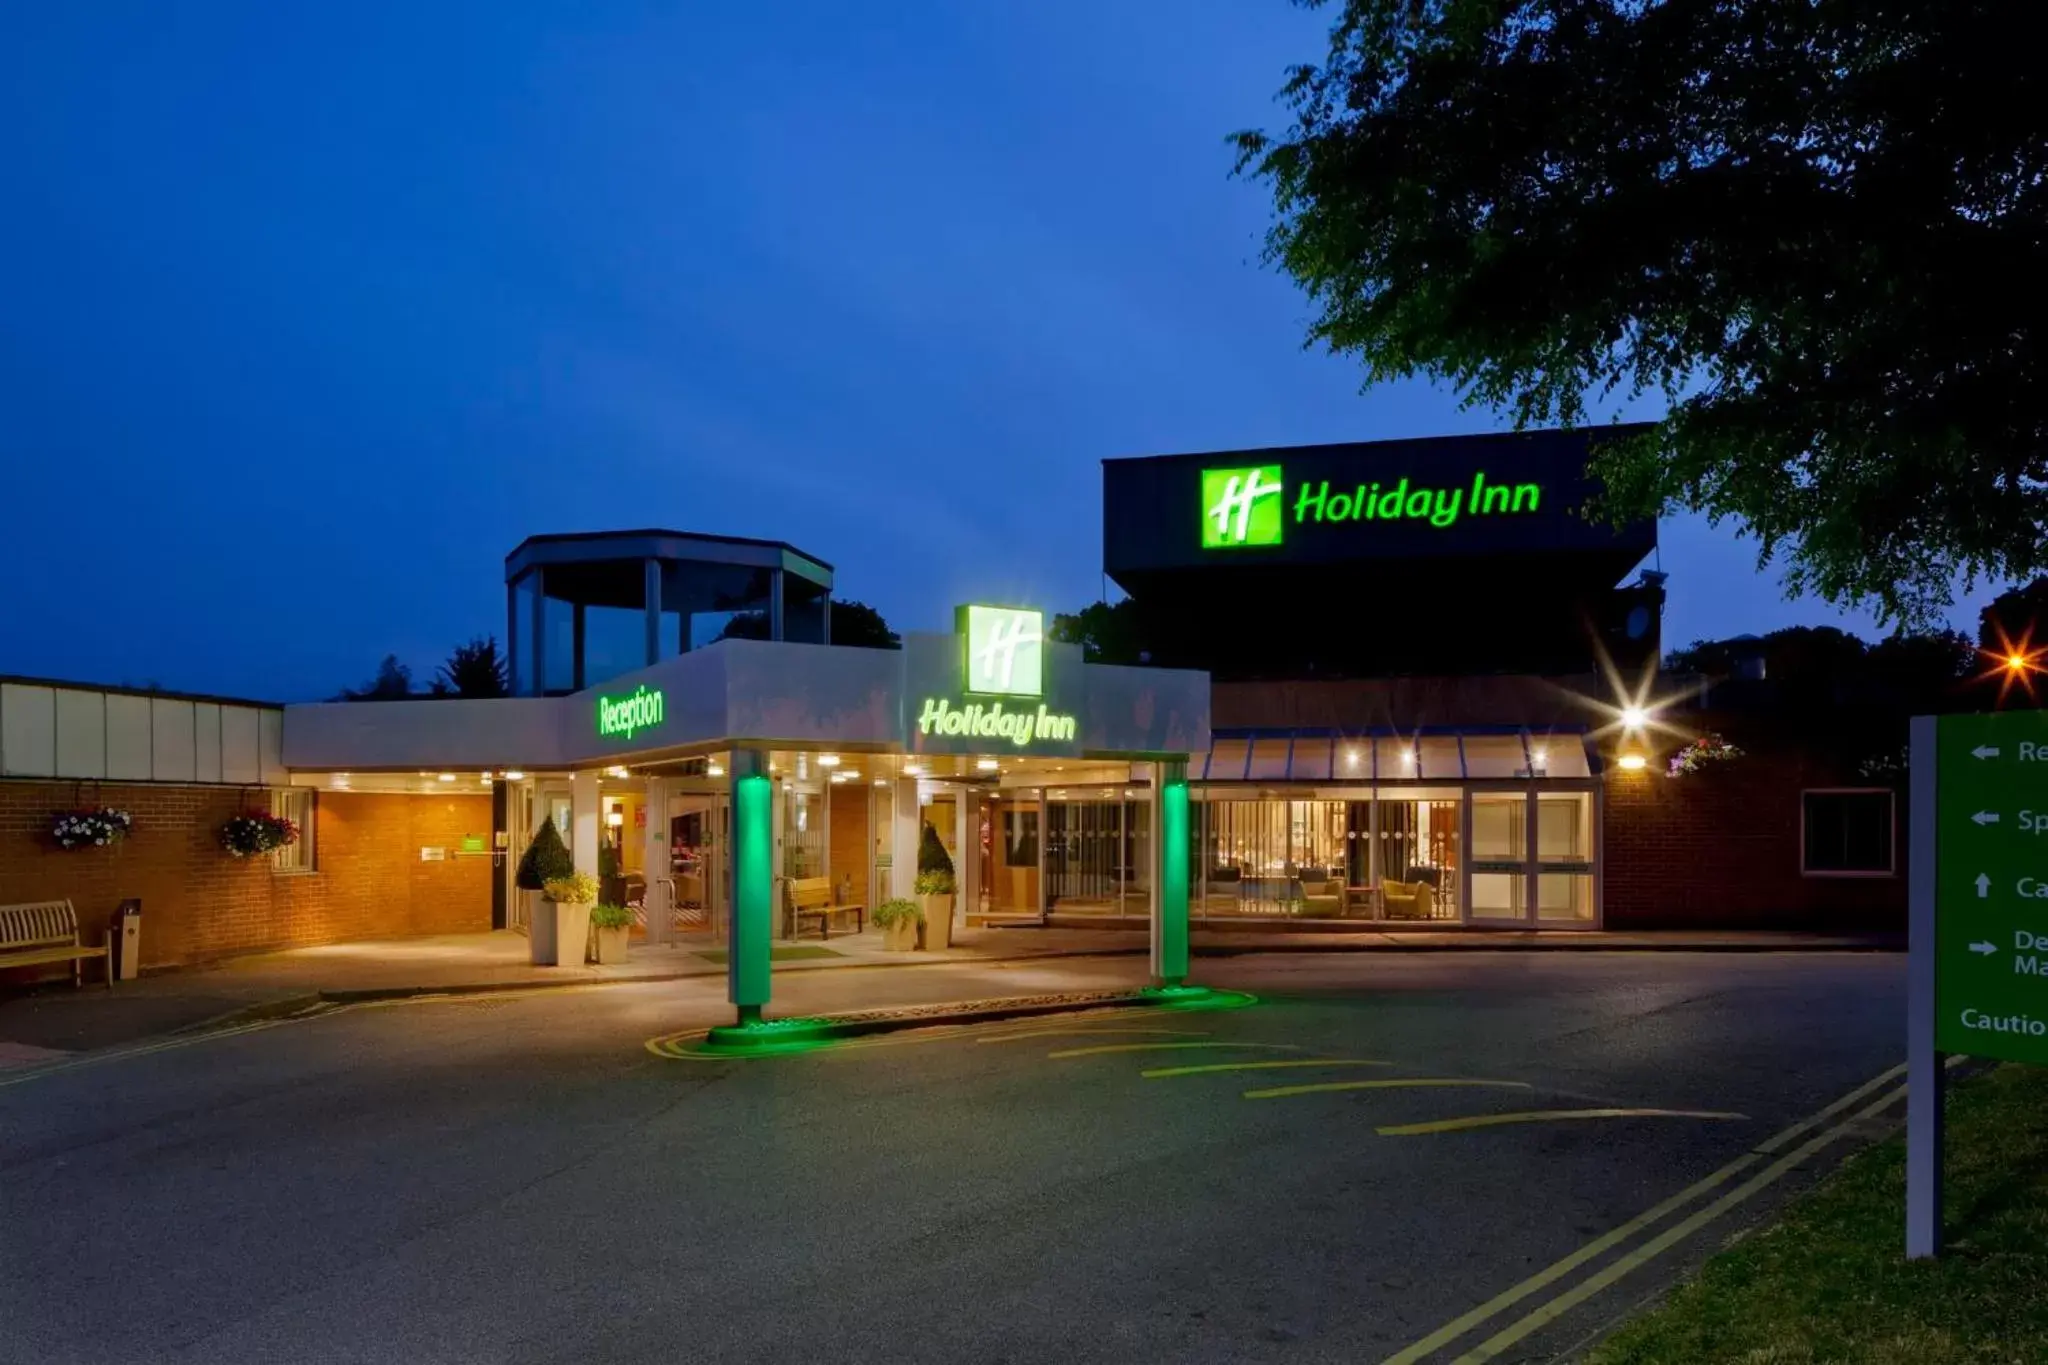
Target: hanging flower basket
x,y
256,832
95,828
1702,754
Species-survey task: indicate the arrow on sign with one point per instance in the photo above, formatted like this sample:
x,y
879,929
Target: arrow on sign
x,y
1980,948
1983,886
1985,751
1986,817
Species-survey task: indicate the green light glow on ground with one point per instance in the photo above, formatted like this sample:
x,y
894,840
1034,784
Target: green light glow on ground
x,y
771,1037
1195,998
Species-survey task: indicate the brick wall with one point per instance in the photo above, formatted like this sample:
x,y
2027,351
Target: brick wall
x,y
1721,849
199,904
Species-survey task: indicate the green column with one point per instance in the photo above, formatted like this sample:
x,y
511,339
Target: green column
x,y
753,882
1170,914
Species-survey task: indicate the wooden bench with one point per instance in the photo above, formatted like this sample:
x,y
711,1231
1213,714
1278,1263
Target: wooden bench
x,y
47,931
810,898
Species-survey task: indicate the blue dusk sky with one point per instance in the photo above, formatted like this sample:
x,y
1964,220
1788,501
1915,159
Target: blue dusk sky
x,y
313,312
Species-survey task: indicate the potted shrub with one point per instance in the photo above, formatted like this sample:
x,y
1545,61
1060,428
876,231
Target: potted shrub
x,y
546,859
898,920
935,890
611,926
566,901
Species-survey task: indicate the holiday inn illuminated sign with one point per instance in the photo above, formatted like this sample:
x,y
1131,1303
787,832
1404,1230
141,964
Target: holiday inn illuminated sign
x,y
621,717
1002,674
1253,506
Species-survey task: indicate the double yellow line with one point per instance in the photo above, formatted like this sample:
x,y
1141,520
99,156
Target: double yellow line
x,y
1764,1152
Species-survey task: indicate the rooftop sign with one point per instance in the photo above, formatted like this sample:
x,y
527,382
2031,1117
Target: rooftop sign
x,y
1253,506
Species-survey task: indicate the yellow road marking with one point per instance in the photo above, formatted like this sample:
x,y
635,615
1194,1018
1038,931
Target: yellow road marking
x,y
1546,1116
1601,1245
141,1050
1664,1241
1412,1083
1092,1033
1160,1073
1163,1047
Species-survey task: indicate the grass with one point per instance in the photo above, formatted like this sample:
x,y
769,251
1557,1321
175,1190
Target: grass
x,y
1830,1285
797,953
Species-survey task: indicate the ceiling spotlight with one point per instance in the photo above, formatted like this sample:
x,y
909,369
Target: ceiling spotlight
x,y
447,777
828,760
987,765
714,770
514,775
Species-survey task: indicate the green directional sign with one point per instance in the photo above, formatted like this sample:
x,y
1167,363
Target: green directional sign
x,y
1991,885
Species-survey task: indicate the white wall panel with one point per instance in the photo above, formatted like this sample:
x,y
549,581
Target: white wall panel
x,y
172,758
239,760
81,734
28,730
205,742
270,746
128,755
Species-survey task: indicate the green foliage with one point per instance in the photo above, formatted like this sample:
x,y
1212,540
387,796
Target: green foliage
x,y
1108,632
392,683
2016,621
578,888
1811,233
897,911
934,865
607,860
608,916
546,858
853,623
474,670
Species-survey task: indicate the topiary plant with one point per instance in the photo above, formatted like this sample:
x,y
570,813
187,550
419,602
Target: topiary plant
x,y
546,859
934,865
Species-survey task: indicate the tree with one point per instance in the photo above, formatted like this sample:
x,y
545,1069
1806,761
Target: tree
x,y
853,623
1108,632
475,670
545,859
392,683
1818,230
2016,621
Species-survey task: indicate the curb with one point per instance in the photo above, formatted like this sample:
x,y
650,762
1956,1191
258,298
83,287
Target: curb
x,y
250,1014
773,1037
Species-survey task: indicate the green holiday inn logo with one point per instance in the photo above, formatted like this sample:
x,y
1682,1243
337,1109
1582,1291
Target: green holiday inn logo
x,y
1005,651
1241,506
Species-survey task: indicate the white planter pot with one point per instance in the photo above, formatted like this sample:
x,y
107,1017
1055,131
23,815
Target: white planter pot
x,y
938,922
900,937
559,934
611,945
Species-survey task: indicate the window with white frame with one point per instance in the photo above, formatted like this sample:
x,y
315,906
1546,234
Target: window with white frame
x,y
300,805
1847,833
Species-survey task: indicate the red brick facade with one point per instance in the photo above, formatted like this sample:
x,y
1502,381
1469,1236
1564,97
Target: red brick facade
x,y
199,904
1721,849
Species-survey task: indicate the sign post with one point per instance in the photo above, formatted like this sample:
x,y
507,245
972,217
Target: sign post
x,y
1978,975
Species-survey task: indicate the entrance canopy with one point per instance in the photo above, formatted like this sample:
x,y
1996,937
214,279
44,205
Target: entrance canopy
x,y
1040,701
1386,754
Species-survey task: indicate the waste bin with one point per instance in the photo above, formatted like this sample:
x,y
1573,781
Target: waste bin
x,y
124,940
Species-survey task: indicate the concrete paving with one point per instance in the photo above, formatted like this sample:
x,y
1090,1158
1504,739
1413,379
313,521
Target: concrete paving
x,y
518,1178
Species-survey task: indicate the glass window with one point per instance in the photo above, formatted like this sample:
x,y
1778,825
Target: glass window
x,y
1495,756
1499,895
1564,827
1440,758
1269,759
1351,760
1311,761
1564,896
1846,833
1397,760
300,805
1226,761
1561,755
1500,827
